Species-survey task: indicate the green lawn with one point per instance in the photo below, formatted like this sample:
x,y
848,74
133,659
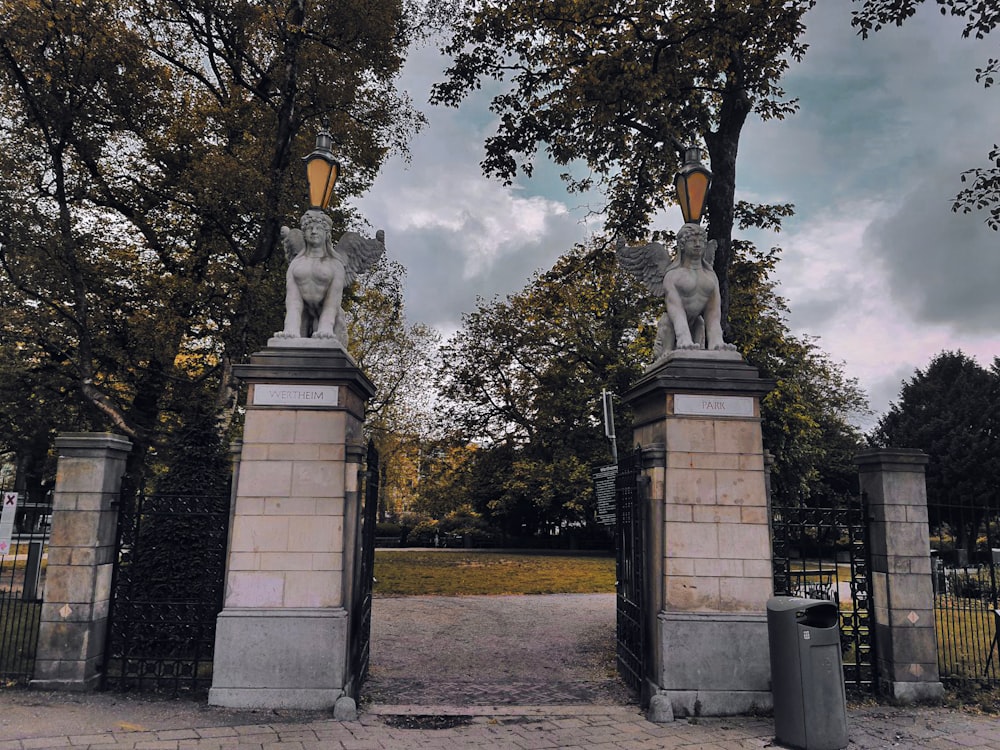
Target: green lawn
x,y
468,573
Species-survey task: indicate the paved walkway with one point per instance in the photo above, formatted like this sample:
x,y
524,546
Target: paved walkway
x,y
511,728
512,673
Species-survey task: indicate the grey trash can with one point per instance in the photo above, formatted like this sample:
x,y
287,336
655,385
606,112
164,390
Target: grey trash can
x,y
807,677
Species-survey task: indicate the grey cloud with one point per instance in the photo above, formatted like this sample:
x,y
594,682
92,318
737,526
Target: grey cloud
x,y
941,266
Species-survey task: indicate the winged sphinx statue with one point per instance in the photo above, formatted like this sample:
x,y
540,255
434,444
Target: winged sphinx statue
x,y
688,284
318,272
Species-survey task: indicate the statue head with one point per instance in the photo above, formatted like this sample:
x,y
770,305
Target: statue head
x,y
691,235
314,217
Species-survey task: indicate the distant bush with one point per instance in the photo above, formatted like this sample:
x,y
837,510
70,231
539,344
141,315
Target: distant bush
x,y
969,585
422,535
387,528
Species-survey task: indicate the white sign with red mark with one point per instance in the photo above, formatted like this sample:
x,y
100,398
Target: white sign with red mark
x,y
7,520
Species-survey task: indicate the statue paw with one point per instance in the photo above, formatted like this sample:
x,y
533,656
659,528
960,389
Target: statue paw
x,y
285,335
724,347
329,335
689,345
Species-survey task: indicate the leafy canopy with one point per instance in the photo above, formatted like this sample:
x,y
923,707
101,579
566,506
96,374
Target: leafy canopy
x,y
149,152
951,411
613,89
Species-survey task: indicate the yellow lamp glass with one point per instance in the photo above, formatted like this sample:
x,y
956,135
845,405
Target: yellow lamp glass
x,y
321,173
692,189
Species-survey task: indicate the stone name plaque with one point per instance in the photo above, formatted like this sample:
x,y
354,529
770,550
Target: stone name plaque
x,y
713,406
266,394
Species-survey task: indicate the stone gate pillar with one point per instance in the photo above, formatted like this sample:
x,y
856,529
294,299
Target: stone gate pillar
x,y
282,638
81,555
709,544
894,482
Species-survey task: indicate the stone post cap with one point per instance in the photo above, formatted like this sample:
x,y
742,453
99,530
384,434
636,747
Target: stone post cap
x,y
891,459
84,441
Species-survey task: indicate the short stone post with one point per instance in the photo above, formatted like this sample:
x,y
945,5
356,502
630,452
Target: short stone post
x,y
903,598
81,556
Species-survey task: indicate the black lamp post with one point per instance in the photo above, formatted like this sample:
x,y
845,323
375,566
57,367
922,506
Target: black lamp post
x,y
322,170
692,183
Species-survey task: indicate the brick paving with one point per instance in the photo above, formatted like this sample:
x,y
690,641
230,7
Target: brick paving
x,y
579,727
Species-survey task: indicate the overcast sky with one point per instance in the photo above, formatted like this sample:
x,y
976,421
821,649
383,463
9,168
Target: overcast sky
x,y
875,263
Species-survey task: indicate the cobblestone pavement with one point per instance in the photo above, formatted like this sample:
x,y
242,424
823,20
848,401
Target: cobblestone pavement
x,y
525,728
495,693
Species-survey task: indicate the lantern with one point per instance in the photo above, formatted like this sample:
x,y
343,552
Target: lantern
x,y
692,183
322,170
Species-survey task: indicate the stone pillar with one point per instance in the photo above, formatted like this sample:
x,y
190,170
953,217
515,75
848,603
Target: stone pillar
x,y
905,641
81,556
709,544
283,635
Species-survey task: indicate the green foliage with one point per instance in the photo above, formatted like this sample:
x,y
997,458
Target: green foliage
x,y
523,379
195,457
400,359
621,86
424,534
148,155
983,191
951,412
525,375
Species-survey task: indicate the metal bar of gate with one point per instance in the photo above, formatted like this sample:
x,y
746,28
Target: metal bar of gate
x,y
21,592
629,565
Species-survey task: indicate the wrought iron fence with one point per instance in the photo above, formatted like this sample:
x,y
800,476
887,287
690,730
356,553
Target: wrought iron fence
x,y
629,571
361,616
965,550
822,553
22,579
167,589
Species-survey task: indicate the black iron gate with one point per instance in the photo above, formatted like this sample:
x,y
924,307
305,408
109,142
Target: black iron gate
x,y
965,550
361,611
166,592
630,571
21,584
822,553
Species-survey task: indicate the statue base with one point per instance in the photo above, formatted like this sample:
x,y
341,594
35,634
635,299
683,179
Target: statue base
x,y
280,342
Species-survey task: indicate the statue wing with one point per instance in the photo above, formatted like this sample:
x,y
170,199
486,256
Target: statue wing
x,y
648,263
710,253
358,253
293,241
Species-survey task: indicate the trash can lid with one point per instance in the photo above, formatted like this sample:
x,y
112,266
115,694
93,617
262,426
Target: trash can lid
x,y
785,603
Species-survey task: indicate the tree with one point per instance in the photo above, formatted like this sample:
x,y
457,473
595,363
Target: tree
x,y
951,412
400,358
523,379
146,155
983,191
622,86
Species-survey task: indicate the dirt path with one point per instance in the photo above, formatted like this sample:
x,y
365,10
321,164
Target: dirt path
x,y
494,650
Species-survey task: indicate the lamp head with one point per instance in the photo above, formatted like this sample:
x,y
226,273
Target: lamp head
x,y
692,182
322,170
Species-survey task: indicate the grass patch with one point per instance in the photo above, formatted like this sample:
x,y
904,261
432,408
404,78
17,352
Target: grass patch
x,y
965,632
444,573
